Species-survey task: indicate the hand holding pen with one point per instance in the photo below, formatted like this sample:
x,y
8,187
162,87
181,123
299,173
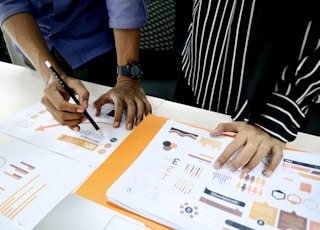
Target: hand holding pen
x,y
65,117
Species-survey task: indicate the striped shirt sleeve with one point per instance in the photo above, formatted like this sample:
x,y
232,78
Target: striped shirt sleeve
x,y
297,88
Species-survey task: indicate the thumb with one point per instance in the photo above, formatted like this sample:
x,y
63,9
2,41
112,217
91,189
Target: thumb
x,y
217,131
225,127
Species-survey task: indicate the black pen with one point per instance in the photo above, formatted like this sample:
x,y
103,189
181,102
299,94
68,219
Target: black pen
x,y
69,91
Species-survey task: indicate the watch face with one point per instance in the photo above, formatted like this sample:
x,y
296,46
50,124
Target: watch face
x,y
135,70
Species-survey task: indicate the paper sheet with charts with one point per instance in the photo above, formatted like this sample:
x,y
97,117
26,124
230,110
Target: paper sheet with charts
x,y
32,181
173,182
37,126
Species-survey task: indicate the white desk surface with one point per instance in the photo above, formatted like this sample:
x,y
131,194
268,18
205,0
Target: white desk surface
x,y
21,88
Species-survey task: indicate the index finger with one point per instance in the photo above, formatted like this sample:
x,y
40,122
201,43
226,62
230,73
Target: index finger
x,y
79,89
231,149
103,99
60,103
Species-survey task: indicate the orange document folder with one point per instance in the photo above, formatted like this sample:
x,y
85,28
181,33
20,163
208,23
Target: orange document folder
x,y
95,187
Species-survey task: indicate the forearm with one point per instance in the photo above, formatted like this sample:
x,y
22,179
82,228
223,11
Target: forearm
x,y
24,31
127,45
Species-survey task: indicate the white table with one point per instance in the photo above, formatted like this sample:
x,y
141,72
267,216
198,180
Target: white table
x,y
21,88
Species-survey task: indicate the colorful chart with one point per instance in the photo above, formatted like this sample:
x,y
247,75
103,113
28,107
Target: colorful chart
x,y
37,126
32,182
173,182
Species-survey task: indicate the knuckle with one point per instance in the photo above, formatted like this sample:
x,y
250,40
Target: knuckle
x,y
235,164
59,106
234,144
265,147
251,147
131,103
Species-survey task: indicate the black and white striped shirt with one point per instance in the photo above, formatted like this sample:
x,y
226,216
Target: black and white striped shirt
x,y
222,62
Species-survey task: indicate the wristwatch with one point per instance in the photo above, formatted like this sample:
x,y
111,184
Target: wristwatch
x,y
133,70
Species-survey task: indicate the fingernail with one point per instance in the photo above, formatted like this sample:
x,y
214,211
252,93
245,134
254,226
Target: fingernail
x,y
245,170
267,173
80,110
213,132
76,128
129,126
217,165
232,169
116,124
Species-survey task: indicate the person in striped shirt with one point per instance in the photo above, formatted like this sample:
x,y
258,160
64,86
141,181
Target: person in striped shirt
x,y
257,61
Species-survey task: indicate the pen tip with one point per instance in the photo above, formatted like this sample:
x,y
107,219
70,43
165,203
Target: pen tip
x,y
99,131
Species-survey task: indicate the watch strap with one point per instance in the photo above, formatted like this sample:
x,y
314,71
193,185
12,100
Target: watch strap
x,y
123,70
133,70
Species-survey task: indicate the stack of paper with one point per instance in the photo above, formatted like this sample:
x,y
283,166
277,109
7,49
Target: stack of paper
x,y
173,182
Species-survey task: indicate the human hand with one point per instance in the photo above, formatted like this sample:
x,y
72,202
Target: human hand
x,y
256,145
56,100
127,94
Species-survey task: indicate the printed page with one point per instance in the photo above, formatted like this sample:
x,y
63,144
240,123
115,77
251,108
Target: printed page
x,y
33,181
173,182
37,126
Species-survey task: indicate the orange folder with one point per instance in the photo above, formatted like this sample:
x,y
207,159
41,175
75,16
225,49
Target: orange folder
x,y
95,187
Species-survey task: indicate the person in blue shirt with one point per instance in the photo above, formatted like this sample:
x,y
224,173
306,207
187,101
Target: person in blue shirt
x,y
83,40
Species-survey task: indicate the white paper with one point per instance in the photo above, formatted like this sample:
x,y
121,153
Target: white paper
x,y
33,181
173,182
37,126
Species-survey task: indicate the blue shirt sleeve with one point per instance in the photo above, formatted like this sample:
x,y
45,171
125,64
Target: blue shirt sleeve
x,y
9,8
124,14
83,31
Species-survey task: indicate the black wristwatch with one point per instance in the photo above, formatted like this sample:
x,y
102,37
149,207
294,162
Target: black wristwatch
x,y
133,70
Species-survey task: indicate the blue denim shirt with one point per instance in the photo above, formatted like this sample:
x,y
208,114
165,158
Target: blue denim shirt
x,y
79,29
